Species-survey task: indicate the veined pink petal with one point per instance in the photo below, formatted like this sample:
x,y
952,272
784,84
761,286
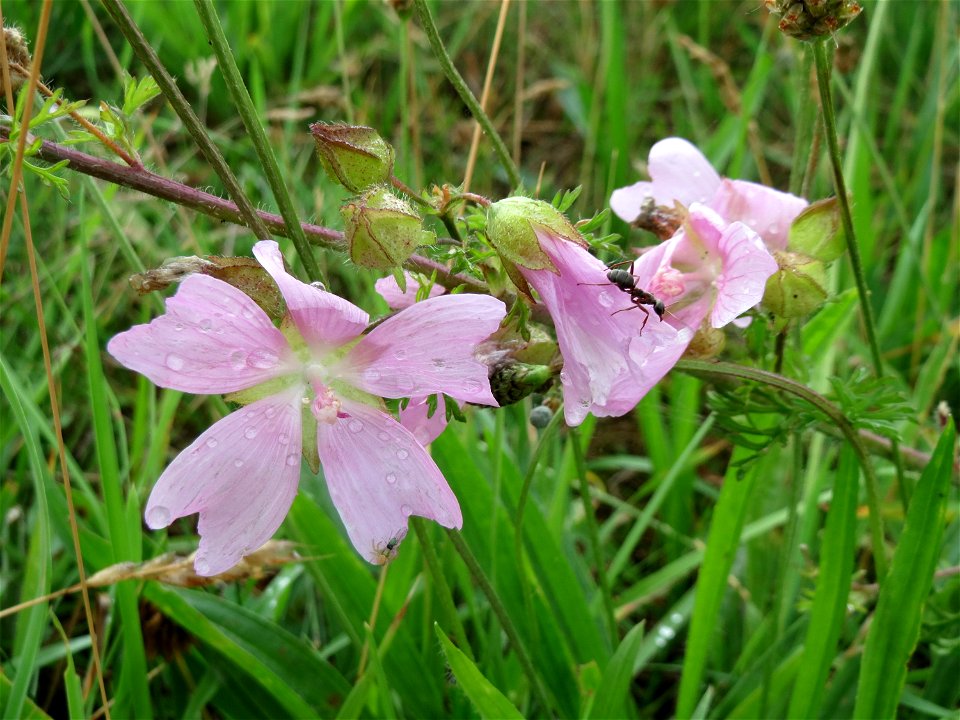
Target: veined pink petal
x,y
241,475
608,364
414,417
427,348
627,201
211,339
767,211
325,320
746,266
390,291
378,476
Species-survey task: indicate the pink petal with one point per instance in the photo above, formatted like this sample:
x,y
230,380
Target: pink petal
x,y
627,201
746,266
414,417
325,320
767,211
427,348
680,172
378,476
608,364
241,476
212,339
396,300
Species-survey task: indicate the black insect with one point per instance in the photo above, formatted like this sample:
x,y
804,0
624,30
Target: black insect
x,y
626,282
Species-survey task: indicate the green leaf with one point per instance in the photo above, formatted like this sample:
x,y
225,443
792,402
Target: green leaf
x,y
830,602
896,623
615,686
488,701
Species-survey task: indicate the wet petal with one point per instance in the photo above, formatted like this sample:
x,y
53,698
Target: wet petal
x,y
241,475
378,476
325,320
390,291
681,172
428,348
212,339
414,417
766,211
746,266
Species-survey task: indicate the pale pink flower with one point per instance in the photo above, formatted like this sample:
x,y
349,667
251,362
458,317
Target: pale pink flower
x,y
390,291
608,365
708,270
315,378
680,173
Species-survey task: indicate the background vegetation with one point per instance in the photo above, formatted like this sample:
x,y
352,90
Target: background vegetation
x,y
788,588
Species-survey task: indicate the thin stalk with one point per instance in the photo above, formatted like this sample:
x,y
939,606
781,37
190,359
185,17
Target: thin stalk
x,y
251,121
501,612
822,61
805,124
450,70
593,536
834,414
184,110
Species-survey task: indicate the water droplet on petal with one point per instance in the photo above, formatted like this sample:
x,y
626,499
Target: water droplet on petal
x,y
383,436
400,354
263,359
283,438
355,426
247,313
174,362
371,374
564,377
201,565
402,454
238,359
270,412
405,383
158,517
205,325
293,459
606,298
250,433
391,478
696,173
212,442
472,386
406,510
178,327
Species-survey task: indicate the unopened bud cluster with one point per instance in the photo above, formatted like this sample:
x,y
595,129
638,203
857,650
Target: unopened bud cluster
x,y
813,19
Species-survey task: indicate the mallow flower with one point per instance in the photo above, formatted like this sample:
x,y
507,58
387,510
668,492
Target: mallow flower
x,y
709,271
317,380
398,299
680,173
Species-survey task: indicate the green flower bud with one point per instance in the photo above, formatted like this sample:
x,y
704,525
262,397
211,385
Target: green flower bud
x,y
512,381
511,228
353,155
813,19
540,416
708,342
817,231
797,288
381,229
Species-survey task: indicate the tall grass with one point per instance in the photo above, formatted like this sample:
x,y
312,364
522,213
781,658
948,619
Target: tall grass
x,y
733,534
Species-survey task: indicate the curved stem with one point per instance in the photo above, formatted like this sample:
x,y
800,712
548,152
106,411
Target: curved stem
x,y
830,130
833,413
460,85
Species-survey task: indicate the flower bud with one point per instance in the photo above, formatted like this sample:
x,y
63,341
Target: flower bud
x,y
707,343
18,56
381,229
512,226
816,231
813,19
353,155
540,416
797,288
512,381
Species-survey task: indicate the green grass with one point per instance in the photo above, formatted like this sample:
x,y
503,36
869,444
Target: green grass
x,y
733,536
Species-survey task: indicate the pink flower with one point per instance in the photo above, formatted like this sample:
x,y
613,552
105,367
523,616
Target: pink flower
x,y
608,365
390,291
708,269
680,173
314,378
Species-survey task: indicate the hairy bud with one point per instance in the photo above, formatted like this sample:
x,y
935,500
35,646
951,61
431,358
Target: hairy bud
x,y
813,19
353,155
381,229
18,56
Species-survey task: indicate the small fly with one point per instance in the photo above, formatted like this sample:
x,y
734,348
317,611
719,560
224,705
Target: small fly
x,y
384,552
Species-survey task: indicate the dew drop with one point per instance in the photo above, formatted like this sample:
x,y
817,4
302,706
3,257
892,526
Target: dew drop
x,y
283,438
383,436
158,517
564,377
439,363
178,327
174,362
606,299
659,642
773,229
263,359
472,386
355,426
238,359
270,412
371,375
247,313
402,454
667,632
676,618
201,566
391,478
696,173
238,463
293,459
405,383
406,510
205,325
212,442
250,433
400,355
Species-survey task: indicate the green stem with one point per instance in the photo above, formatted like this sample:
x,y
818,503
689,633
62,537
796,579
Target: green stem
x,y
450,70
501,612
188,117
805,125
833,413
248,114
432,562
594,537
822,62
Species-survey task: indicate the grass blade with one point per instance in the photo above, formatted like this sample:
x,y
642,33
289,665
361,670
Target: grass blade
x,y
488,701
614,687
